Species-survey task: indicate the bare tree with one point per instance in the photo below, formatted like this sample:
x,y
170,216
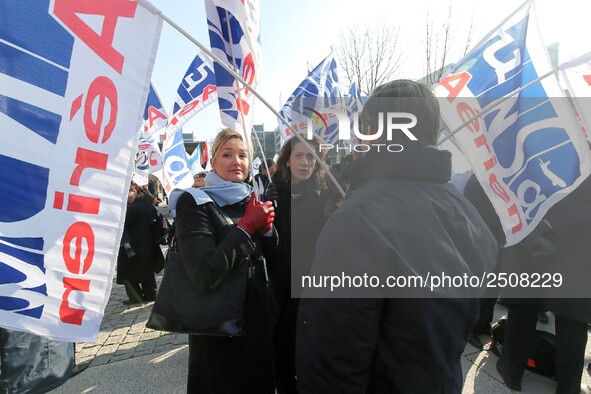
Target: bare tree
x,y
440,46
369,55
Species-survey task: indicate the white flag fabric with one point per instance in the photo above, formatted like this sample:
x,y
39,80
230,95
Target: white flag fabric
x,y
194,160
528,152
148,158
196,91
71,101
577,76
177,173
234,36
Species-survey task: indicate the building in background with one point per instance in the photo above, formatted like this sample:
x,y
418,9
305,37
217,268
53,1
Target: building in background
x,y
269,140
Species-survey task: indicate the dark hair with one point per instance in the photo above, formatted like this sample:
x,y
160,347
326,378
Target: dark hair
x,y
262,167
282,172
404,95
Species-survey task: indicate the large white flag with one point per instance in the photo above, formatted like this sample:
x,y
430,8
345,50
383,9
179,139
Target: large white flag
x,y
71,101
527,152
234,30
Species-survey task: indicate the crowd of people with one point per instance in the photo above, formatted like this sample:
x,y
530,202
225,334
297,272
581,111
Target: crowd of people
x,y
401,216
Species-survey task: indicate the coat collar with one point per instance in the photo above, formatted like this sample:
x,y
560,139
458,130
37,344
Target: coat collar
x,y
414,163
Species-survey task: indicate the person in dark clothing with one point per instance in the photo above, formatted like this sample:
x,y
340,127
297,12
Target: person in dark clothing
x,y
139,255
301,196
266,171
222,231
403,218
560,243
476,195
30,363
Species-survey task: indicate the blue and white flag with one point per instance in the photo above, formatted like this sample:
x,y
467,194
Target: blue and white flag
x,y
177,173
196,91
194,160
148,158
234,36
74,78
528,151
310,103
155,115
354,104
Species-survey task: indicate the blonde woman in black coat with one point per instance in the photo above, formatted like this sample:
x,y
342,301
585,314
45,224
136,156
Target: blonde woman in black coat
x,y
223,233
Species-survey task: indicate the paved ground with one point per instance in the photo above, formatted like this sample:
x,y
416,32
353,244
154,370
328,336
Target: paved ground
x,y
130,358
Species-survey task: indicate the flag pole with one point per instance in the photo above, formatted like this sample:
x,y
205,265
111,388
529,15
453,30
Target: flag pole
x,y
154,10
495,103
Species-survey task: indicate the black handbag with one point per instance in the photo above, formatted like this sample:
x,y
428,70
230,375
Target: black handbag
x,y
180,308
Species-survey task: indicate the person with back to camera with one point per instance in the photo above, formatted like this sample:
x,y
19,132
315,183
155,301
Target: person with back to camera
x,y
299,190
139,255
403,219
220,230
559,245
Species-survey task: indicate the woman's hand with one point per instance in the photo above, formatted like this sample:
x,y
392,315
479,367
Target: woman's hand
x,y
258,216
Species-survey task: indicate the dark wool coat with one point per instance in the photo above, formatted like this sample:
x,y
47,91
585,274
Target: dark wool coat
x,y
403,219
299,220
570,222
211,249
148,258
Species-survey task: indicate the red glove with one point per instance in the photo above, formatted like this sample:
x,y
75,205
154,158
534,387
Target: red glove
x,y
258,216
270,221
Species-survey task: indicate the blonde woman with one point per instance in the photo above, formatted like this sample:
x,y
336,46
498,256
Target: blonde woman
x,y
222,232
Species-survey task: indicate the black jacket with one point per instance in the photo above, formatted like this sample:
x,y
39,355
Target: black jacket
x,y
300,216
299,221
148,258
404,218
211,248
570,222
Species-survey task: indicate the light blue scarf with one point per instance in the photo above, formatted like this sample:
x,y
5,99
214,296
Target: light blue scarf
x,y
216,189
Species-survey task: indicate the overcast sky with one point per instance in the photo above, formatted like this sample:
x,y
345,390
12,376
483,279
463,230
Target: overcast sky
x,y
297,33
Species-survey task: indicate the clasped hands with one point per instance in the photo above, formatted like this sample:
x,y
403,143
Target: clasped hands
x,y
259,216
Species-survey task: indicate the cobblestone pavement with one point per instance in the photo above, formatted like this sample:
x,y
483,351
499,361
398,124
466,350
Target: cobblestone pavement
x,y
123,333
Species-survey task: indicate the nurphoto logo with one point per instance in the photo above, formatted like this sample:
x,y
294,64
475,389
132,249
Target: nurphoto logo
x,y
395,122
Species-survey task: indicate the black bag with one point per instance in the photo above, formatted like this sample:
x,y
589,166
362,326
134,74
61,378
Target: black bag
x,y
180,308
543,357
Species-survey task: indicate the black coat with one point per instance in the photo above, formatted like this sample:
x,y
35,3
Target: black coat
x,y
299,220
558,245
148,258
570,221
211,249
404,218
300,216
